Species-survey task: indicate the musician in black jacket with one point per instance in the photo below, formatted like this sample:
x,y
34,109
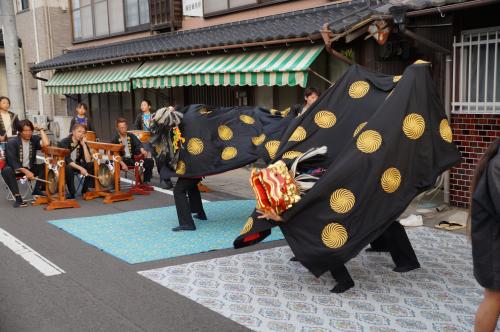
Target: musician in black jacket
x,y
21,159
79,159
132,147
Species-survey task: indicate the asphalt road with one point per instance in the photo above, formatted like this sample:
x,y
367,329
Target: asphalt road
x,y
97,292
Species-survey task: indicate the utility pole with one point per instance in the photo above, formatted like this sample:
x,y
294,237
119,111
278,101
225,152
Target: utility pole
x,y
12,59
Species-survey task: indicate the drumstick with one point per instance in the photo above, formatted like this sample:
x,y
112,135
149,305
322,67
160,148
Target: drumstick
x,y
42,180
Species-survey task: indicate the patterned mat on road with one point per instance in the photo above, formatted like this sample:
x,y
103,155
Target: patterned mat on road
x,y
264,291
146,235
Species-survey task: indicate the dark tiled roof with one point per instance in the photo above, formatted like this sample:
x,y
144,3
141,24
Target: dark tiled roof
x,y
303,23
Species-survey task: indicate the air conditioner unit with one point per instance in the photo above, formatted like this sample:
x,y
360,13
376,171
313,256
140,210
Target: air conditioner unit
x,y
30,115
61,126
40,120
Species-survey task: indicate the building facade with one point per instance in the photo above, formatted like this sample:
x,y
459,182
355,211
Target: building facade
x,y
144,31
42,28
199,51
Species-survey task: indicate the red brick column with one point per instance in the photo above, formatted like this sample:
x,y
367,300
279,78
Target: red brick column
x,y
472,133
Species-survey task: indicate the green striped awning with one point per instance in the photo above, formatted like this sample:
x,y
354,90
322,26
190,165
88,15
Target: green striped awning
x,y
284,66
96,80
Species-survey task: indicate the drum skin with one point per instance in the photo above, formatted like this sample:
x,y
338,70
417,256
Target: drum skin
x,y
91,136
143,135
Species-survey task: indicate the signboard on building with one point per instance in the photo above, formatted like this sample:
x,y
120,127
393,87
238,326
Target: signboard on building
x,y
192,8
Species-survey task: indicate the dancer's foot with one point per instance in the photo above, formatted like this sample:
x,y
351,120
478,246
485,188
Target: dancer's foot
x,y
341,288
183,228
405,268
200,216
168,184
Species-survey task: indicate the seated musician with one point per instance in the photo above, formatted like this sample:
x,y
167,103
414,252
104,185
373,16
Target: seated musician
x,y
79,159
21,159
132,147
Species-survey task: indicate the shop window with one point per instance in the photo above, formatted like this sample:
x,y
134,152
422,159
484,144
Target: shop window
x,y
476,63
137,12
23,5
219,7
102,18
222,96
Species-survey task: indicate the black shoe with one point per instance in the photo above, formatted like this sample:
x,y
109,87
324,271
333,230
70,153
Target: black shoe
x,y
21,203
37,192
183,228
406,268
340,288
200,216
70,196
294,259
168,185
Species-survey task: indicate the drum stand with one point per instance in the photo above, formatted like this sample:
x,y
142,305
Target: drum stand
x,y
54,157
139,188
112,151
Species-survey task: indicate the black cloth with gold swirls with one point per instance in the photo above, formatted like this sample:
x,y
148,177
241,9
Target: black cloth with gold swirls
x,y
219,139
388,140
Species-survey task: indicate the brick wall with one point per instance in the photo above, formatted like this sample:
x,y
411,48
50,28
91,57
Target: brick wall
x,y
472,133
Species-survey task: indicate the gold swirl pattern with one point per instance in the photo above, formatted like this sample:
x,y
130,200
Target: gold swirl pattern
x,y
195,146
359,128
334,235
225,133
413,126
229,153
248,226
298,135
369,141
272,148
258,140
204,111
396,78
292,154
445,131
325,119
247,119
285,112
359,89
342,200
390,180
181,168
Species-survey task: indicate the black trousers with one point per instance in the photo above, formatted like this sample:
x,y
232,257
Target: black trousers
x,y
70,177
187,200
396,242
9,176
341,275
148,167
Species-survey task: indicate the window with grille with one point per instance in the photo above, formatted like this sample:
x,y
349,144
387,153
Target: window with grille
x,y
476,70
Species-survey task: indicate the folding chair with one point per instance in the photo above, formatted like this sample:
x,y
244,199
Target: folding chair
x,y
25,189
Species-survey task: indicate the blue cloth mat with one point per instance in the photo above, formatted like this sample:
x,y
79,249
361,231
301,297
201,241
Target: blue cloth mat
x,y
146,235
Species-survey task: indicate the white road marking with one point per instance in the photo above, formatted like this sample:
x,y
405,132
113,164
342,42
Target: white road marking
x,y
161,190
39,262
